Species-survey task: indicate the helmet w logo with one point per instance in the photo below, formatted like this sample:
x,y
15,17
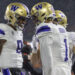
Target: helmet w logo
x,y
14,7
39,7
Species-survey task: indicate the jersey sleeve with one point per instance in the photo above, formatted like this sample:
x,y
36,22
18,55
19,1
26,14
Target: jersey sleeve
x,y
46,42
45,36
3,31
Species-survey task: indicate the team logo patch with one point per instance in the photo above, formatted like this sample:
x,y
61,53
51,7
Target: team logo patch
x,y
14,7
39,7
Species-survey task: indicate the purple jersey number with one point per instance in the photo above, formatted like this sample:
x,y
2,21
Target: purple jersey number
x,y
19,46
66,50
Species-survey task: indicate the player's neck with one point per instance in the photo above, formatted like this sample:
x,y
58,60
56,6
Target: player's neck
x,y
12,27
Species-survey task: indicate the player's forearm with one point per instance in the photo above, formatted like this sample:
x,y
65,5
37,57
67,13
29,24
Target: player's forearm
x,y
2,42
36,60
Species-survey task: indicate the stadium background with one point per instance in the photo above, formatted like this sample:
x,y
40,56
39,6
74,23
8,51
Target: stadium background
x,y
67,6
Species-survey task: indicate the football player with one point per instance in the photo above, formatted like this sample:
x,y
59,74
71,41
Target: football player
x,y
53,40
11,36
42,13
71,35
64,52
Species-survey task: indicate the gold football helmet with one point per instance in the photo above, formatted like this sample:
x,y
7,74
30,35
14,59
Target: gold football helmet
x,y
41,11
61,18
16,14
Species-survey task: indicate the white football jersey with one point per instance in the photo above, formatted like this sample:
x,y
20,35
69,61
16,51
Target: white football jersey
x,y
11,53
54,47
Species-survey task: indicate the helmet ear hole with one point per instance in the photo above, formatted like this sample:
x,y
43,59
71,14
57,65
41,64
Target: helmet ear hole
x,y
43,14
11,17
9,20
21,12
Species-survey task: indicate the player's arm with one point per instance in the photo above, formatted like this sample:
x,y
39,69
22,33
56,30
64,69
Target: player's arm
x,y
45,36
2,42
2,36
73,41
36,60
72,37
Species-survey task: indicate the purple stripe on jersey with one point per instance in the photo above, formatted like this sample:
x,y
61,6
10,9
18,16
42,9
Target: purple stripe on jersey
x,y
5,71
2,32
66,55
43,29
